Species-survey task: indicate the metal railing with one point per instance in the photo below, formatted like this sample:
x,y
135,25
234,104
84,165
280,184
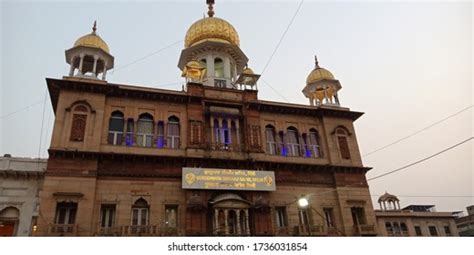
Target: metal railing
x,y
134,230
364,229
62,229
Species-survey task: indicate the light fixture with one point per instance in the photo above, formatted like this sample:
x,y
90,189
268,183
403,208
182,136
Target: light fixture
x,y
303,202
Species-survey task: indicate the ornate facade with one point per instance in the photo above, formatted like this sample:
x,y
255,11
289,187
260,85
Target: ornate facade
x,y
118,152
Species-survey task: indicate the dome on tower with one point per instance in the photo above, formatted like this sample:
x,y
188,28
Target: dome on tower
x,y
211,29
92,40
319,74
321,86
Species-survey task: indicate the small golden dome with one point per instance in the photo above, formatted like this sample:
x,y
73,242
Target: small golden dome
x,y
195,64
92,40
211,29
248,71
319,74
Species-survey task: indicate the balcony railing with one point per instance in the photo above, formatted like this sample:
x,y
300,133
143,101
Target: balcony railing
x,y
131,230
363,230
313,230
62,229
226,147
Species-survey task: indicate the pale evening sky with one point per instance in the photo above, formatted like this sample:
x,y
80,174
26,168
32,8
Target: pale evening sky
x,y
405,64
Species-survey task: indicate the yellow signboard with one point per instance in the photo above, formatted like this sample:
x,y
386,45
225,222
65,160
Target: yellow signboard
x,y
228,179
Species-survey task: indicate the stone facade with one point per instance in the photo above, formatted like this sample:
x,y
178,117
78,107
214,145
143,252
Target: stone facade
x,y
20,182
92,172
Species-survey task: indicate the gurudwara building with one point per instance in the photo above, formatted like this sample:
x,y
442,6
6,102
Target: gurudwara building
x,y
211,159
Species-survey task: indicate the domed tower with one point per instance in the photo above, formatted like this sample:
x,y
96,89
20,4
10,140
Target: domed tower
x,y
214,43
389,202
321,87
89,57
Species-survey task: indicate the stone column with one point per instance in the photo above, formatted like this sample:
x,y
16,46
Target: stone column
x,y
71,70
94,68
326,93
336,98
238,222
227,71
104,73
311,101
235,73
81,62
247,228
237,134
226,228
398,203
221,140
216,221
213,140
210,69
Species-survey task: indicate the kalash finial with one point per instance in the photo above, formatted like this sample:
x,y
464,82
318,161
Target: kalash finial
x,y
316,63
210,12
94,28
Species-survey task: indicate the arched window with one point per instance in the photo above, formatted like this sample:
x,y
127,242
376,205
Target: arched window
x,y
116,125
314,144
173,132
293,142
145,130
341,136
218,68
139,215
79,121
271,141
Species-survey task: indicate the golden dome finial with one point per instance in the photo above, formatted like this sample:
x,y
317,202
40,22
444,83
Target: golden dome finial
x,y
94,28
210,12
316,63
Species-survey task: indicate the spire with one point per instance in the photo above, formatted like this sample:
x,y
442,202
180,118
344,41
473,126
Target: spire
x,y
316,63
94,28
210,4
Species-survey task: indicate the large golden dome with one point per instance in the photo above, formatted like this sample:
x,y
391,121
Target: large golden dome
x,y
211,29
319,74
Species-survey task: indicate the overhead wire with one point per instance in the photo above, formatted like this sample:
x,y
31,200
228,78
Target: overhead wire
x,y
278,46
419,131
146,56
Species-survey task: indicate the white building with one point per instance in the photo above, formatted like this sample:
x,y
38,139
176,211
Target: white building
x,y
20,182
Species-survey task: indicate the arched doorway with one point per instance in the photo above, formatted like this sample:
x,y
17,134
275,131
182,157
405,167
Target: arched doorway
x,y
230,215
9,221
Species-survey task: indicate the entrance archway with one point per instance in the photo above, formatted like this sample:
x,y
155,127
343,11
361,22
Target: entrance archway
x,y
230,215
9,221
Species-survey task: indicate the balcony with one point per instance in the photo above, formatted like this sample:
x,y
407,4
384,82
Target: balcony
x,y
364,230
62,230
